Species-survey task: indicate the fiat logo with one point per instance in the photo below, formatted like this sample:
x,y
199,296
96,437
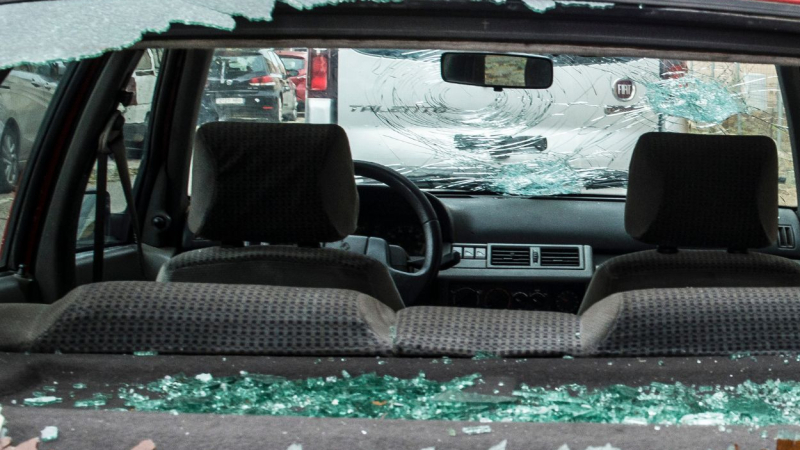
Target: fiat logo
x,y
624,90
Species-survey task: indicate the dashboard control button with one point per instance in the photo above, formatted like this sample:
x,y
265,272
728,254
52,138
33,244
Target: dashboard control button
x,y
480,253
469,253
459,250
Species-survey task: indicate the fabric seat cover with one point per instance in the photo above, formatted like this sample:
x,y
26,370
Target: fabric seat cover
x,y
282,184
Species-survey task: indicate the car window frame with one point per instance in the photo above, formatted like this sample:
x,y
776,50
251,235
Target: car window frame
x,y
124,216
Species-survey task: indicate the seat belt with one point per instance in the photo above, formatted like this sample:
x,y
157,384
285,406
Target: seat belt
x,y
112,143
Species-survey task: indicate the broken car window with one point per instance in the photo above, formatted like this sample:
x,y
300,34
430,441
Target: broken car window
x,y
574,138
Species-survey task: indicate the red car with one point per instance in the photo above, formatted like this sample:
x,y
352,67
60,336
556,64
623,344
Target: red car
x,y
296,63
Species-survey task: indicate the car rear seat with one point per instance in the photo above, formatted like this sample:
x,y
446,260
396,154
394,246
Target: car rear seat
x,y
200,318
694,321
451,331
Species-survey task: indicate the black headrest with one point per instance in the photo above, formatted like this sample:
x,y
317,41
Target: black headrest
x,y
702,191
276,183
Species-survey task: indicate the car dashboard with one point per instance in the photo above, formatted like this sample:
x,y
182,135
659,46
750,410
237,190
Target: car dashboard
x,y
519,253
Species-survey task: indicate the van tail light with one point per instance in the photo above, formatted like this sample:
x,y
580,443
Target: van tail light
x,y
319,73
672,70
131,87
262,81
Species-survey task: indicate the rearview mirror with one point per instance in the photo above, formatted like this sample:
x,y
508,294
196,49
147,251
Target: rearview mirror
x,y
497,70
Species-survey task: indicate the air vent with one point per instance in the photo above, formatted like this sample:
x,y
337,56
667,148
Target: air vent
x,y
561,257
510,256
785,236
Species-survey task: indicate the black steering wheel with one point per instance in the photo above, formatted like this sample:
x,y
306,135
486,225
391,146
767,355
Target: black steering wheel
x,y
410,285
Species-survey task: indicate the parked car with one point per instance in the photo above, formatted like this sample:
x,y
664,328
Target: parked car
x,y
296,63
249,85
24,96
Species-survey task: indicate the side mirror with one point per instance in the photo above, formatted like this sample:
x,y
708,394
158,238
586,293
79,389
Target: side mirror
x,y
497,70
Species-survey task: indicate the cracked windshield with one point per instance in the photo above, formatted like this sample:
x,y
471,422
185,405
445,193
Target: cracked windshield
x,y
572,138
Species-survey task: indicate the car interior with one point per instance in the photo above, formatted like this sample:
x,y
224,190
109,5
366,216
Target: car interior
x,y
161,297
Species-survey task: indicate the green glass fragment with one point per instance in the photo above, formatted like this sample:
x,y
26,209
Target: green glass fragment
x,y
479,356
146,353
49,434
500,445
480,429
79,386
41,401
94,402
467,397
372,396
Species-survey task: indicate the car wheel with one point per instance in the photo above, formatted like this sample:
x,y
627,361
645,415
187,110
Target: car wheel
x,y
292,117
278,116
9,161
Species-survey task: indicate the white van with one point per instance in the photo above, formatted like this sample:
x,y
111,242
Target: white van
x,y
451,136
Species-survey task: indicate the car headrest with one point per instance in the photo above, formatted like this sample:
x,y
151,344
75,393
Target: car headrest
x,y
276,183
702,191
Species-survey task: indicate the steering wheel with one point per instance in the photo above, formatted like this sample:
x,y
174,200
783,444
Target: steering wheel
x,y
410,285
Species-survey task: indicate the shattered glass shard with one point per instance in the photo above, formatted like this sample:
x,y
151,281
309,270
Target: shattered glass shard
x,y
480,356
372,396
204,377
310,4
468,397
539,177
97,400
41,401
540,6
49,434
78,29
702,101
480,429
586,4
256,10
500,445
2,423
